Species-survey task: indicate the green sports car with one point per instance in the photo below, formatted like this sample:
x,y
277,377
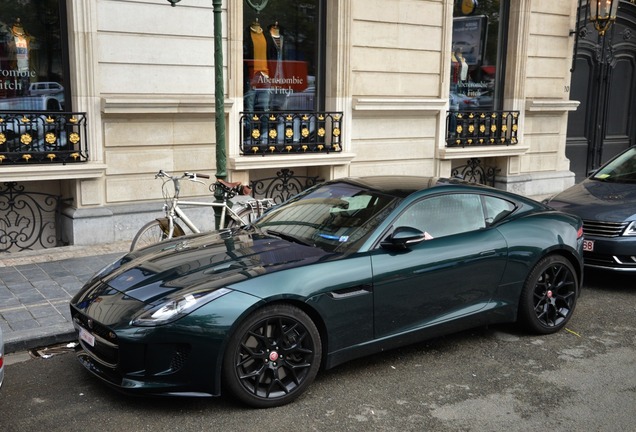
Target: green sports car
x,y
347,268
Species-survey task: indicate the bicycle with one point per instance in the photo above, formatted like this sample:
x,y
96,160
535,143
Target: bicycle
x,y
167,227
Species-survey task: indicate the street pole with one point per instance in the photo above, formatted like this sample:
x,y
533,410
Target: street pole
x,y
219,92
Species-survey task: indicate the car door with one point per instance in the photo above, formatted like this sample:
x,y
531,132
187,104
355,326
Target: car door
x,y
451,274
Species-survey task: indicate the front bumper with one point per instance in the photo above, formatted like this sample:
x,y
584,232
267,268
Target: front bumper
x,y
617,254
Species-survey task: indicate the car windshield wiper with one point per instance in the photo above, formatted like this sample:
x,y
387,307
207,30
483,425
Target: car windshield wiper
x,y
287,237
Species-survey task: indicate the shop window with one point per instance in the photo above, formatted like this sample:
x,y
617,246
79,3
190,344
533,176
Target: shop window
x,y
478,50
33,69
282,55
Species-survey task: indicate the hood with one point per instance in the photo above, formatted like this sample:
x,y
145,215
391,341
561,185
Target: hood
x,y
598,200
208,261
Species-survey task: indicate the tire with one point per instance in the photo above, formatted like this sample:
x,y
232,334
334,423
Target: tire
x,y
154,232
272,357
549,296
245,213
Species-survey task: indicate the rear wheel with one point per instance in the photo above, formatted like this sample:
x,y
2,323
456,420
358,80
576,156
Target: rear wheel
x,y
246,214
272,357
154,232
549,295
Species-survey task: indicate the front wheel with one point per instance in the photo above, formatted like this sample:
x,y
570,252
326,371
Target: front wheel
x,y
154,232
549,295
272,357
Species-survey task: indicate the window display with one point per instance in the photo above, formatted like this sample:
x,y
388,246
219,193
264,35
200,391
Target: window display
x,y
32,72
476,47
280,55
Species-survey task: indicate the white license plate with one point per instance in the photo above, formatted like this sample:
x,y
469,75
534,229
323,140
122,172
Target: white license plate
x,y
588,245
87,337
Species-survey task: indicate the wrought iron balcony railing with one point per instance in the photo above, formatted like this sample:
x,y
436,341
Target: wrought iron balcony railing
x,y
481,128
290,133
42,137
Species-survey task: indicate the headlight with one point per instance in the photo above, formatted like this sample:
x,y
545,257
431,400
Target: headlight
x,y
631,229
177,307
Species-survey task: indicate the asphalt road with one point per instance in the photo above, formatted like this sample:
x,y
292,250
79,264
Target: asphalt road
x,y
487,379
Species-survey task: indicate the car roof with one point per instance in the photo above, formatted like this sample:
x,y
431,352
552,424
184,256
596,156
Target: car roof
x,y
403,185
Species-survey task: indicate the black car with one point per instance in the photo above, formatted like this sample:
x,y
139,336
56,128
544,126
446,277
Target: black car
x,y
606,201
348,268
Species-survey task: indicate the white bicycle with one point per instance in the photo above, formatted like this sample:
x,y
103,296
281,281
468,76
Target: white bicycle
x,y
231,214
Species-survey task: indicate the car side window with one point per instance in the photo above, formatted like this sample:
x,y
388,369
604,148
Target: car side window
x,y
496,209
445,215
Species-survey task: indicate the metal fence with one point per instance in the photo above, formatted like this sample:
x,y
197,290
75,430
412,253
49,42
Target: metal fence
x,y
42,137
265,133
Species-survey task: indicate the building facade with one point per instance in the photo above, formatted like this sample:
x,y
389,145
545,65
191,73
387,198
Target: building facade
x,y
356,87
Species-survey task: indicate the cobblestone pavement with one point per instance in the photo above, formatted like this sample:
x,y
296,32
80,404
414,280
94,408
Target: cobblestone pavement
x,y
35,289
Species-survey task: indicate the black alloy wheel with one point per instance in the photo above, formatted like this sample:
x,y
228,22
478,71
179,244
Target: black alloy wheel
x,y
272,357
549,295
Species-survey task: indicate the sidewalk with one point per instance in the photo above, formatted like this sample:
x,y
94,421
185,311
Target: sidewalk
x,y
36,287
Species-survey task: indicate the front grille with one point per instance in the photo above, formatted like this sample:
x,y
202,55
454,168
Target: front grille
x,y
603,229
105,350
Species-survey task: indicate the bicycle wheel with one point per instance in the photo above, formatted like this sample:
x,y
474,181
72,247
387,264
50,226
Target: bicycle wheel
x,y
246,214
154,232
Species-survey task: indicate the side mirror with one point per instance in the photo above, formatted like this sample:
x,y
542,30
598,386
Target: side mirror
x,y
403,237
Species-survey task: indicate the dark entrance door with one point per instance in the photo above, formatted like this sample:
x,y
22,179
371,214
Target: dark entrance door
x,y
604,81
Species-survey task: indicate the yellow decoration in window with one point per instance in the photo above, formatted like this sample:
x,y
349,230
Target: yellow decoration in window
x,y
51,156
305,132
24,119
336,132
482,128
49,119
75,156
459,129
272,148
26,157
288,148
74,138
493,128
471,128
3,138
73,119
256,134
321,132
50,138
273,134
304,147
289,133
2,157
320,147
255,149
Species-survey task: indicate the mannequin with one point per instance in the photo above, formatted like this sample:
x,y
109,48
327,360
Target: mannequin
x,y
276,59
256,71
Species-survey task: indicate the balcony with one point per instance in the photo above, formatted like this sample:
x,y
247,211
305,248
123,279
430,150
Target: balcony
x,y
481,128
42,137
284,133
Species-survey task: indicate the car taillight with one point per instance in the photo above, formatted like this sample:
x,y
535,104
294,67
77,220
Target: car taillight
x,y
579,233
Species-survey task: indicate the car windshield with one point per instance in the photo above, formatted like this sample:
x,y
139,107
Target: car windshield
x,y
336,217
620,170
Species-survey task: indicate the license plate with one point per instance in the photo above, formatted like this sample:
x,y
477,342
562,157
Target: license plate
x,y
588,245
87,337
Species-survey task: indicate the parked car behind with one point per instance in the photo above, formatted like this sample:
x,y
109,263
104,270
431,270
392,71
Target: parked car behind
x,y
1,358
606,201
